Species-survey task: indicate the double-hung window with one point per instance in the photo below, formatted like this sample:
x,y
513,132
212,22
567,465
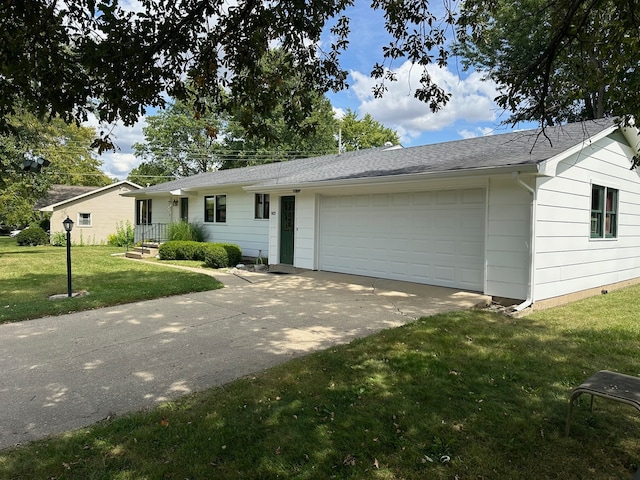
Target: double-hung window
x,y
84,219
262,205
215,209
604,212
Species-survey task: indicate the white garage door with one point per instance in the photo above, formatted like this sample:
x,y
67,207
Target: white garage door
x,y
436,237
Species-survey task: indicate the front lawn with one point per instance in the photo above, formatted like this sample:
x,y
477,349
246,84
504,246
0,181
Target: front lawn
x,y
30,275
467,395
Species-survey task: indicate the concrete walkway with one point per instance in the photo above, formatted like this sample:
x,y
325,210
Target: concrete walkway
x,y
62,373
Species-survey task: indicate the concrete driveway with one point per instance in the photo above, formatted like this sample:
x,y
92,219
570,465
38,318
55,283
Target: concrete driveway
x,y
62,373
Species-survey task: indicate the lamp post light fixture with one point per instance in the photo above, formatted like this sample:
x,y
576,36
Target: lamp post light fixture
x,y
68,226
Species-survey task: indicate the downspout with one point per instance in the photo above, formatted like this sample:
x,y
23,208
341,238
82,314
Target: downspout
x,y
532,242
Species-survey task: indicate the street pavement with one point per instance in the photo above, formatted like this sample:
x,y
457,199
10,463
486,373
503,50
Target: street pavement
x,y
66,372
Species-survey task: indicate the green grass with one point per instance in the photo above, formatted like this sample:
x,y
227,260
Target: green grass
x,y
30,275
464,395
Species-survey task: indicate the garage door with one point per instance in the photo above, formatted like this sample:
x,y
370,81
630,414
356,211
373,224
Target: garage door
x,y
434,237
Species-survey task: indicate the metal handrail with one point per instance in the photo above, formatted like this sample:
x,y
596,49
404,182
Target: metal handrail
x,y
151,232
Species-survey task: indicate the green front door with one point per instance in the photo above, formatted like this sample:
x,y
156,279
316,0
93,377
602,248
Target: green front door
x,y
287,228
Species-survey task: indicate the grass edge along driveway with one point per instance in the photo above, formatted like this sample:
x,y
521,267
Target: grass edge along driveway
x,y
30,275
465,395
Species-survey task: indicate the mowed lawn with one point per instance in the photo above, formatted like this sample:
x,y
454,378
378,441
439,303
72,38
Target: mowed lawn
x,y
30,275
467,395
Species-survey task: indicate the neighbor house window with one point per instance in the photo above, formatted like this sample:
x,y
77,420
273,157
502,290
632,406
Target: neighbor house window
x,y
84,219
604,212
215,208
143,212
262,205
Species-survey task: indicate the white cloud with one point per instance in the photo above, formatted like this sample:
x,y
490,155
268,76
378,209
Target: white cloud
x,y
477,132
118,164
339,113
471,100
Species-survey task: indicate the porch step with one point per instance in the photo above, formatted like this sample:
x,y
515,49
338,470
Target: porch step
x,y
144,250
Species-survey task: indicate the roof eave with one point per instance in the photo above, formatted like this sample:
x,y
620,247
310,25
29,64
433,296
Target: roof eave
x,y
548,167
404,178
50,208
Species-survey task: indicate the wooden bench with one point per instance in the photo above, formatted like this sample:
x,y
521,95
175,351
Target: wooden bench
x,y
611,385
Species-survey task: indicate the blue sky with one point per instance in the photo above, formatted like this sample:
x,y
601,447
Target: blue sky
x,y
470,112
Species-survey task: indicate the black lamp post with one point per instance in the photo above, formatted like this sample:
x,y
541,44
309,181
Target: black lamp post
x,y
68,226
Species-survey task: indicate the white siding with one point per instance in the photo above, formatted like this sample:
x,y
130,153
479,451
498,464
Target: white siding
x,y
304,244
274,230
241,227
568,260
507,239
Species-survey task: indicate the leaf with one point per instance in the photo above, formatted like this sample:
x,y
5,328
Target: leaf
x,y
349,460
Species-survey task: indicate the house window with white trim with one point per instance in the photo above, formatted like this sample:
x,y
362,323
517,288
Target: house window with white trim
x,y
215,208
262,205
604,212
84,219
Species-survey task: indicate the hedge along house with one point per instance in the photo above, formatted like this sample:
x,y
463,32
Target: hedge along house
x,y
96,211
527,215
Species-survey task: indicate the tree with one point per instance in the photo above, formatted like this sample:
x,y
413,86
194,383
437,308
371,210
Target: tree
x,y
179,142
78,56
279,141
149,173
65,147
72,57
357,134
295,123
557,61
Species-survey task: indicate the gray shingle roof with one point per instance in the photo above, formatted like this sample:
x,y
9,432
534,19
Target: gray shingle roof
x,y
61,193
527,147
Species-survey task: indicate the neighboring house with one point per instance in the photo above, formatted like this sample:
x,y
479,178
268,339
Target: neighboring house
x,y
96,211
523,215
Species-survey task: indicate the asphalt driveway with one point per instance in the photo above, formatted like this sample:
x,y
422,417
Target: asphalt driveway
x,y
62,373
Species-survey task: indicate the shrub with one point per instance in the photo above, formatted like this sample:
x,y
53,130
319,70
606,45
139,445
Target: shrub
x,y
124,235
187,231
45,224
182,250
216,256
32,236
234,253
59,239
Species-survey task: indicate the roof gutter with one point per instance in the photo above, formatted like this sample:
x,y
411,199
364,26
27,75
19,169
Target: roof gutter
x,y
532,242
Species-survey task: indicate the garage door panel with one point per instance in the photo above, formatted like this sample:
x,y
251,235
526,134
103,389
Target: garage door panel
x,y
429,237
445,274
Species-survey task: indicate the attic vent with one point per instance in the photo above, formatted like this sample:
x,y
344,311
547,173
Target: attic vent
x,y
388,144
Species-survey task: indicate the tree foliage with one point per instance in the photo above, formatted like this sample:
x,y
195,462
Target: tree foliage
x,y
554,60
314,135
66,147
179,143
357,134
557,60
73,57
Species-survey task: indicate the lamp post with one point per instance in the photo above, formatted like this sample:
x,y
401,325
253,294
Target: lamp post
x,y
68,226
